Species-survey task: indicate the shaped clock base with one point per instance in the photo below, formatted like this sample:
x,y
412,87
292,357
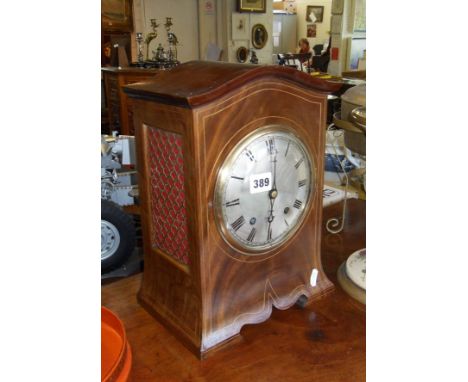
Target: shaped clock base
x,y
172,324
198,280
205,344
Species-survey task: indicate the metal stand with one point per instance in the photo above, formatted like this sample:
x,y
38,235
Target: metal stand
x,y
333,224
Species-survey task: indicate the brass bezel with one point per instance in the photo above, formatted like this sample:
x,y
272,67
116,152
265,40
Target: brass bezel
x,y
222,180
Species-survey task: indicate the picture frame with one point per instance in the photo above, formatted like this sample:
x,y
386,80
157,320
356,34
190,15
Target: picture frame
x,y
311,30
259,36
314,13
242,54
117,15
240,26
258,6
290,7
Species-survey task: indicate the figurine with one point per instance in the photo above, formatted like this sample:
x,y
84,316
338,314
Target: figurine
x,y
162,59
253,57
160,55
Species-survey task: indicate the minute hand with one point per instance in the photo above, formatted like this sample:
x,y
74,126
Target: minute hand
x,y
272,195
274,172
273,165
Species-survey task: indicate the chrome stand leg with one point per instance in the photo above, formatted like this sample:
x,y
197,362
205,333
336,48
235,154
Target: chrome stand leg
x,y
333,224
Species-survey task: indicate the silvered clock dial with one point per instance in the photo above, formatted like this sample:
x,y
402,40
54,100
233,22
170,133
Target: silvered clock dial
x,y
263,189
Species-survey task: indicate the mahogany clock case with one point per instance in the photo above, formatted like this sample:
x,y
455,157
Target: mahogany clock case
x,y
195,114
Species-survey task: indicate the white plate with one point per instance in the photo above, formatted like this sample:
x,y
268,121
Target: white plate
x,y
356,268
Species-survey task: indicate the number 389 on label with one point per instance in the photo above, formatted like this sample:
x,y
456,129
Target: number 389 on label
x,y
260,182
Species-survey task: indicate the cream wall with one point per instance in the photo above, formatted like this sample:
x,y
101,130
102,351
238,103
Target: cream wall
x,y
212,27
184,15
207,27
323,28
217,29
265,54
195,28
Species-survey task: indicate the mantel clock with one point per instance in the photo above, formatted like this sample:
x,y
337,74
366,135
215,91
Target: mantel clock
x,y
230,161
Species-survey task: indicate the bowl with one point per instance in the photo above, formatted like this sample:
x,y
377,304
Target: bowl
x,y
116,355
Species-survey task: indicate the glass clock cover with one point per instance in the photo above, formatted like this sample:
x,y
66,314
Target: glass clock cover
x,y
263,189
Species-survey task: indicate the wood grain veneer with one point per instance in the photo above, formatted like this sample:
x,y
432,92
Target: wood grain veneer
x,y
212,106
324,342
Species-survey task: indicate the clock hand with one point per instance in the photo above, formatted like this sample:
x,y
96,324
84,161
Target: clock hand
x,y
270,216
270,219
273,161
273,192
274,173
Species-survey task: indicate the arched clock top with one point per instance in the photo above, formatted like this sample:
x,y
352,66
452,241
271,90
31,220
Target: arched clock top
x,y
196,83
229,162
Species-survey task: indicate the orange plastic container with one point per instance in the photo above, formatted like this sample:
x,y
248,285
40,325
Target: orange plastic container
x,y
116,355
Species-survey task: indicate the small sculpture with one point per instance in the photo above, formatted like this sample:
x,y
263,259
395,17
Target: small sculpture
x,y
162,59
160,55
253,57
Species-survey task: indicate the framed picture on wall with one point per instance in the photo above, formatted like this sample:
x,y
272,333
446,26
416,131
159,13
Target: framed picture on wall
x,y
117,15
259,36
290,6
311,30
240,26
314,13
251,6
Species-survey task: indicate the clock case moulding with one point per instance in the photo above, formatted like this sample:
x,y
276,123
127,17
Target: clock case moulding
x,y
206,295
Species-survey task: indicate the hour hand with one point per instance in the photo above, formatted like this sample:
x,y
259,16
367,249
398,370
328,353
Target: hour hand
x,y
272,194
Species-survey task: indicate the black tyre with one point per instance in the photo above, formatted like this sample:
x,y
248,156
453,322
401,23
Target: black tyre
x,y
117,236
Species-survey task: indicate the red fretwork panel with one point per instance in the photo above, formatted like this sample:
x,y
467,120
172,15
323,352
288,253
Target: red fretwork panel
x,y
168,213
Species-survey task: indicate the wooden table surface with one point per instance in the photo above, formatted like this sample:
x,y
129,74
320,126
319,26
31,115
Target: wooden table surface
x,y
325,341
